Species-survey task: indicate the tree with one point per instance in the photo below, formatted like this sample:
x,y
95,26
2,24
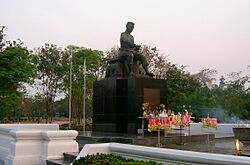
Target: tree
x,y
227,101
31,107
234,97
17,68
62,107
93,63
50,75
181,88
206,77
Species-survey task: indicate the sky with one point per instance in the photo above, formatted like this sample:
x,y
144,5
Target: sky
x,y
199,34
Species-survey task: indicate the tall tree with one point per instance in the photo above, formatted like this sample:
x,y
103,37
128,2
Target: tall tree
x,y
50,75
17,68
181,87
93,63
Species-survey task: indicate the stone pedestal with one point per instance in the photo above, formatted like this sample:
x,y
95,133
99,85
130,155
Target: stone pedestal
x,y
117,102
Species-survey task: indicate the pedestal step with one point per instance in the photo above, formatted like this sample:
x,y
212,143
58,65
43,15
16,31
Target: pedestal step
x,y
67,160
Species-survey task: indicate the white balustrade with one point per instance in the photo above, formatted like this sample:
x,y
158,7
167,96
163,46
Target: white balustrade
x,y
32,144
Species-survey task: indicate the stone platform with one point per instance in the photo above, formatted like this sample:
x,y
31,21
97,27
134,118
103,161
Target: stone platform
x,y
199,142
149,139
196,142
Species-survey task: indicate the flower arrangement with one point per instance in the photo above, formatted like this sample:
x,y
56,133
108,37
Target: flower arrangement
x,y
209,122
160,119
159,111
146,109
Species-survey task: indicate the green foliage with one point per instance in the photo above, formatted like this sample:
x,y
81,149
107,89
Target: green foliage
x,y
228,100
19,66
111,159
50,75
16,68
234,96
93,63
181,87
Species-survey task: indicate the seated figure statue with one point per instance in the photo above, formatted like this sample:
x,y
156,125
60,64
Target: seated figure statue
x,y
129,52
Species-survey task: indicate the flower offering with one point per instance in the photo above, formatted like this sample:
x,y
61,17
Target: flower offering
x,y
209,122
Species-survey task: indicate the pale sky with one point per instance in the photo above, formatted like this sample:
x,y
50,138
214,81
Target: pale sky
x,y
197,33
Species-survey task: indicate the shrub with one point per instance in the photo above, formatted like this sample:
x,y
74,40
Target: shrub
x,y
111,159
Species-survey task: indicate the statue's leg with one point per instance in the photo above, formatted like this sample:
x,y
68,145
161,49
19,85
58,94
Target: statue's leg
x,y
119,69
130,62
144,64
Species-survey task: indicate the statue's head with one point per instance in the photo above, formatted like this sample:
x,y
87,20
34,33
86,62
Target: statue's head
x,y
130,26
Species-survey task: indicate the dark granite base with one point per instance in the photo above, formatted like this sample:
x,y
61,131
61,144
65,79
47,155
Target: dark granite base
x,y
117,102
104,127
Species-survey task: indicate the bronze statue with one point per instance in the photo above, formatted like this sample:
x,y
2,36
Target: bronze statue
x,y
130,61
129,52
